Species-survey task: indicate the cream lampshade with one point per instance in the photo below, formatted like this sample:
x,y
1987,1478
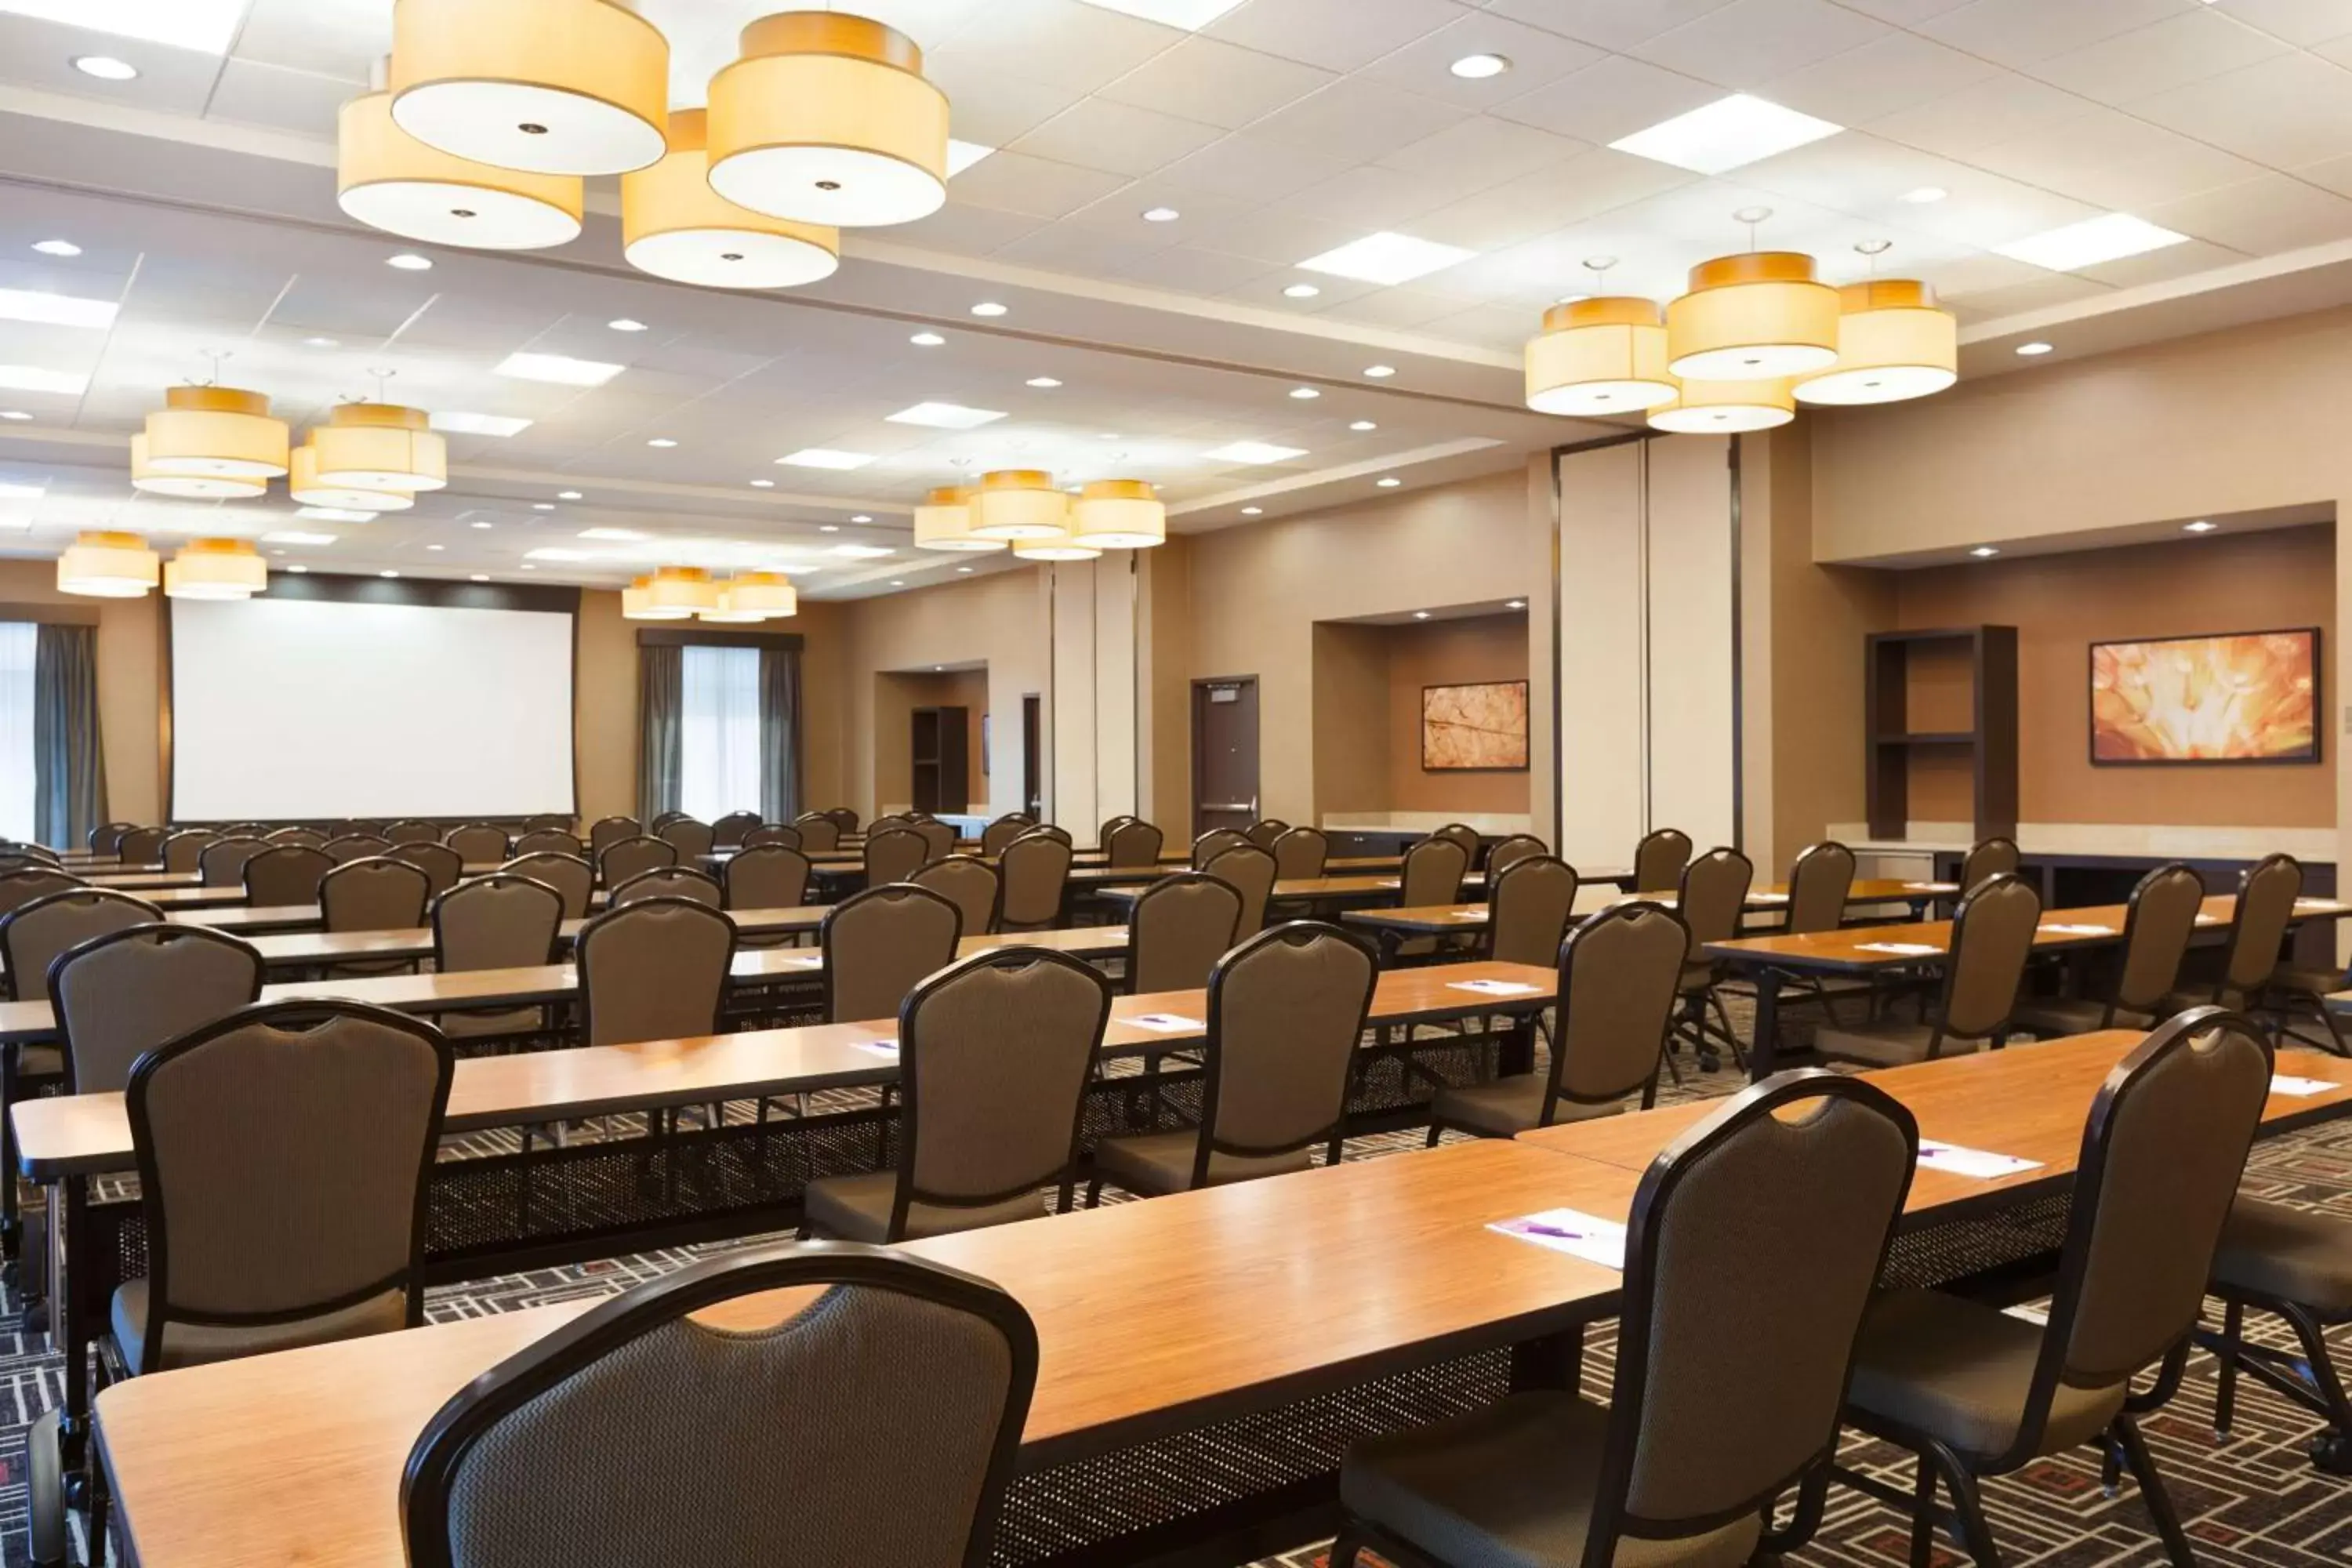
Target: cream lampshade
x,y
826,118
943,522
305,486
197,487
1117,514
1015,504
1063,549
634,604
674,593
216,432
108,565
389,180
1605,355
1753,317
215,569
380,447
1893,344
1725,408
550,86
673,226
763,595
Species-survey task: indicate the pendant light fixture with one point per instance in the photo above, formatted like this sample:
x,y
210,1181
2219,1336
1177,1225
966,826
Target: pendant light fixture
x,y
1605,353
304,485
215,568
1893,344
1062,549
1755,316
635,601
380,447
675,226
1016,504
192,486
389,180
674,593
550,86
214,432
761,595
1117,514
826,118
105,565
1725,409
943,522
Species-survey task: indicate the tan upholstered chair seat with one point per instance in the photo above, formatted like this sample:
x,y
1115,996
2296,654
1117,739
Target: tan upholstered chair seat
x,y
1162,1163
2053,1017
1958,1371
2308,982
195,1344
1509,1106
40,1062
475,1025
857,1208
2292,1254
1888,1043
1510,1487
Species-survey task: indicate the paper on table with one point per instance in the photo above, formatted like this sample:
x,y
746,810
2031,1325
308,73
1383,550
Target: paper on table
x,y
805,960
1908,949
1573,1231
1767,898
1926,887
2317,904
2062,929
880,1048
1494,987
1166,1023
1478,913
1975,1163
2211,920
2300,1087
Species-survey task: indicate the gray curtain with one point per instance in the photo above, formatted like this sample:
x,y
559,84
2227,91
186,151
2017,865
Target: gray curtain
x,y
661,698
779,733
68,764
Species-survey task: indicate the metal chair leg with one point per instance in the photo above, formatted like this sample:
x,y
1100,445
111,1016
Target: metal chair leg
x,y
1968,1508
2152,1493
1923,1513
2225,1388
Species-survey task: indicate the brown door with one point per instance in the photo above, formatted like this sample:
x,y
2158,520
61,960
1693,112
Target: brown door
x,y
1224,753
1033,753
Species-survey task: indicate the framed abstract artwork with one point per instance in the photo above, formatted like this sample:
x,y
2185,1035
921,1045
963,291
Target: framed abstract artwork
x,y
1475,729
2233,696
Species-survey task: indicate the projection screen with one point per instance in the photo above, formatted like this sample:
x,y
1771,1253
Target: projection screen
x,y
312,708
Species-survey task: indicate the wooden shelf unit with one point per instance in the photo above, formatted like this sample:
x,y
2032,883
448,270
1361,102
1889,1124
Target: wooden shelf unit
x,y
1990,740
940,749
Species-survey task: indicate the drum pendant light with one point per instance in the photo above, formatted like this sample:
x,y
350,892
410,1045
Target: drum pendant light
x,y
108,565
943,522
1119,514
305,486
192,486
389,180
1054,550
1725,408
548,87
828,119
1755,316
675,226
1019,503
1893,344
759,596
216,432
380,447
635,601
1601,355
674,593
215,569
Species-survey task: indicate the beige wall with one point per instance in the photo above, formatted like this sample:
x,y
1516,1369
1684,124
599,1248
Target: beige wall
x,y
605,708
896,697
130,678
1350,710
1448,653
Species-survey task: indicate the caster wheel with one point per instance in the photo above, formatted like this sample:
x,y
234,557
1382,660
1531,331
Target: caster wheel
x,y
2332,1453
45,1488
1710,1063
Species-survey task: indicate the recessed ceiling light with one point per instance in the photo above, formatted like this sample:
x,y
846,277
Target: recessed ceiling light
x,y
558,553
1254,452
334,514
567,495
1983,552
662,441
927,340
1390,483
963,571
277,552
54,309
105,67
1189,14
1514,603
1305,393
828,528
1253,511
56,247
543,506
2200,526
2109,237
322,342
295,536
480,577
988,307
763,484
409,261
1421,615
1380,371
529,567
860,517
626,324
1725,134
963,155
1387,259
618,535
825,457
1300,291
1925,194
13,414
1478,68
946,416
32,378
207,27
897,582
482,525
1044,382
298,568
1161,214
2035,349
436,547
860,552
387,572
1363,425
561,369
10,491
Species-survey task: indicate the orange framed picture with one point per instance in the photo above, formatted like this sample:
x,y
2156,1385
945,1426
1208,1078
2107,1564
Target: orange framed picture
x,y
1479,728
2230,696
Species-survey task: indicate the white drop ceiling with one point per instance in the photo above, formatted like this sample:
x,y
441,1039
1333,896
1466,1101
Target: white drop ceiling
x,y
203,195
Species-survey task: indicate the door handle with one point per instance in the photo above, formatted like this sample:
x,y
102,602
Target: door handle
x,y
1210,805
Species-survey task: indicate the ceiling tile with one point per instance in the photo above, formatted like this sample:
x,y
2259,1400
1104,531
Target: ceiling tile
x,y
1014,182
1203,79
1534,205
1120,214
1061,247
2302,22
2261,217
2052,290
1535,58
1256,169
995,109
1060,43
1358,120
1904,13
1337,35
283,99
1372,197
1965,276
2168,54
2162,265
1279,234
1097,133
1607,101
962,228
2021,32
1611,24
330,37
1479,153
2291,110
1406,307
2115,159
1196,272
2001,109
1888,74
1749,42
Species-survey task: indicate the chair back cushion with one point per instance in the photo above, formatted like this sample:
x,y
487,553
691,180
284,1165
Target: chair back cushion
x,y
286,875
1213,843
183,852
1818,886
499,922
568,875
608,831
878,943
765,876
819,834
1035,868
2162,919
1713,892
32,935
222,865
121,996
1133,844
346,847
18,888
893,855
1987,859
689,838
1300,854
442,866
478,843
1659,859
669,882
1433,873
1179,929
379,894
970,883
1286,1011
2266,896
1528,905
1619,973
654,970
1992,936
1250,870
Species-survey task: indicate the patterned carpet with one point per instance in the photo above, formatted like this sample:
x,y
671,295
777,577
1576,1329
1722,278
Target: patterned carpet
x,y
2254,1499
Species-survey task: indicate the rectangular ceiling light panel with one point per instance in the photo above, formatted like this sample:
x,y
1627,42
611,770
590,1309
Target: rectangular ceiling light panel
x,y
458,422
825,457
1254,452
562,370
1189,14
208,27
1726,134
54,309
1387,259
2090,242
947,417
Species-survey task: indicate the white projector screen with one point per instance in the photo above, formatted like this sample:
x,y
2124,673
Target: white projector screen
x,y
308,708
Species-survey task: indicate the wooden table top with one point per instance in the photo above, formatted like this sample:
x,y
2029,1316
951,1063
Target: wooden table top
x,y
85,1134
1851,949
297,1458
1473,917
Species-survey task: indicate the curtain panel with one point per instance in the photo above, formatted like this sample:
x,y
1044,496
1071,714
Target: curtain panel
x,y
661,701
69,762
780,734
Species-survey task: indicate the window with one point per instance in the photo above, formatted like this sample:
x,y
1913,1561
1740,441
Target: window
x,y
719,738
16,820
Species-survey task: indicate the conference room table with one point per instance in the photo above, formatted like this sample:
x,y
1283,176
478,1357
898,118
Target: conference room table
x,y
1154,1319
1874,952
